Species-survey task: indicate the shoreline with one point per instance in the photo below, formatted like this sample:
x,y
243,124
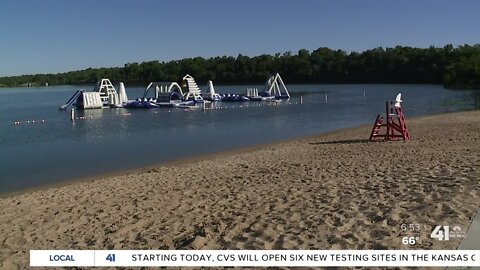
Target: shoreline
x,y
175,162
335,191
191,159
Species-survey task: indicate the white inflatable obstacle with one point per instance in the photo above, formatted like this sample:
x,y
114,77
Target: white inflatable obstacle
x,y
193,92
108,95
105,88
103,94
122,93
163,90
91,100
72,100
252,92
211,90
275,87
211,94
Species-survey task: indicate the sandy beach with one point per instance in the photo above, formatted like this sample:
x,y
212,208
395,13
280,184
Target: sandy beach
x,y
334,191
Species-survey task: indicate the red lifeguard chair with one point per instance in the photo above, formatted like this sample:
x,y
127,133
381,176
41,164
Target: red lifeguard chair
x,y
396,128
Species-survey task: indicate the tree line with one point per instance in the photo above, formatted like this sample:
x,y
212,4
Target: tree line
x,y
453,67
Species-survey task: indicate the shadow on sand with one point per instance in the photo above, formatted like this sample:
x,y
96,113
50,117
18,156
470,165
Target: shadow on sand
x,y
343,142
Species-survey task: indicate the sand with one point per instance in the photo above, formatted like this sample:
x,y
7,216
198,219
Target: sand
x,y
335,191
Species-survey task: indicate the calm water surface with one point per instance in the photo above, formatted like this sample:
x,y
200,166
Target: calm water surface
x,y
107,140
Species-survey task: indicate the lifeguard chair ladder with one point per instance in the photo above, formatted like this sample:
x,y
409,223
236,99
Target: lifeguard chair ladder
x,y
395,123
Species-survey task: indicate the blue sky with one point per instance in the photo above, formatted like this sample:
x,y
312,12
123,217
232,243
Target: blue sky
x,y
53,36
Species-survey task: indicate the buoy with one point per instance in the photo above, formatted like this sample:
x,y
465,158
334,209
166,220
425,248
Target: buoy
x,y
326,98
301,99
43,121
72,115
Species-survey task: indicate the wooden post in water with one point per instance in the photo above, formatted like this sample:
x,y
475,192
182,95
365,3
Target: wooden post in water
x,y
72,115
301,100
326,97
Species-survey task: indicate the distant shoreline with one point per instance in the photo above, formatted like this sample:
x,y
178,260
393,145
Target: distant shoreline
x,y
453,67
88,86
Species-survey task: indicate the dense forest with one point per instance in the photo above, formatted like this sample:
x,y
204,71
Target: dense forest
x,y
453,67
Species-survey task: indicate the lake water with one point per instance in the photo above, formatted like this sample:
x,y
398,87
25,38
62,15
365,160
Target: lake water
x,y
108,140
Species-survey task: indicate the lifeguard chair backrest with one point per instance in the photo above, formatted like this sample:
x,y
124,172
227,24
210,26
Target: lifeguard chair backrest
x,y
398,100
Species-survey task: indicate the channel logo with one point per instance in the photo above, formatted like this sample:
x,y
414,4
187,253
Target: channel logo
x,y
444,233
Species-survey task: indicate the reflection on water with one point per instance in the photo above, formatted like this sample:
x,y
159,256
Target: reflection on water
x,y
119,139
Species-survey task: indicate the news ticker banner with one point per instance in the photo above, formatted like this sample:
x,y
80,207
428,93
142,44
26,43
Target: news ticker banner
x,y
254,258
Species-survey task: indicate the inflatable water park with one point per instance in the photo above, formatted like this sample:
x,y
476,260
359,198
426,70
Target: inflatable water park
x,y
158,94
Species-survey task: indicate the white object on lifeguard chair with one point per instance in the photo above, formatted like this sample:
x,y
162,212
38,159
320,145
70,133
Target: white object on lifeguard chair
x,y
398,100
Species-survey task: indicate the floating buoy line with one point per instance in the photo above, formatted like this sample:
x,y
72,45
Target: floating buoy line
x,y
212,107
